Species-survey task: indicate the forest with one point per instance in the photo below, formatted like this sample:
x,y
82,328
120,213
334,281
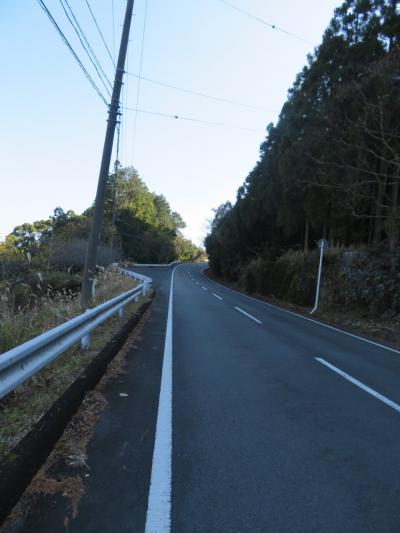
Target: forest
x,y
330,166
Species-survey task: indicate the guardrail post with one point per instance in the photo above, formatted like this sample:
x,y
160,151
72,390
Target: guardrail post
x,y
85,341
121,312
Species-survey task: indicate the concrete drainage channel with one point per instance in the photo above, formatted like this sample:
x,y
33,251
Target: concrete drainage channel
x,y
23,462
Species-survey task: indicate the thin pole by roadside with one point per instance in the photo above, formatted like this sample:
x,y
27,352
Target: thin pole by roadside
x,y
322,244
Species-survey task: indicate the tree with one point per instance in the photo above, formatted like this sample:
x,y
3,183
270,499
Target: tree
x,y
330,166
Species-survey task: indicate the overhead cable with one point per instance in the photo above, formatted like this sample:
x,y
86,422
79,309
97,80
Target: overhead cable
x,y
273,26
191,119
88,49
113,28
88,44
203,95
66,42
100,32
139,78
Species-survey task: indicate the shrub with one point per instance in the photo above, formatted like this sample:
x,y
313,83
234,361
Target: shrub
x,y
71,254
364,281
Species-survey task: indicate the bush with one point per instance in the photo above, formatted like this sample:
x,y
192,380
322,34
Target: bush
x,y
71,254
364,281
290,277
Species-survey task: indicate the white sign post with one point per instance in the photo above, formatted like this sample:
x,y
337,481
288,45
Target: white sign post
x,y
322,244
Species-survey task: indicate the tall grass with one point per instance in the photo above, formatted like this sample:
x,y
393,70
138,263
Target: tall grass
x,y
43,307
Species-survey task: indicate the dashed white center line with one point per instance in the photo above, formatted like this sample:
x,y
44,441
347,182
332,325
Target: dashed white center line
x,y
247,314
216,295
204,288
380,397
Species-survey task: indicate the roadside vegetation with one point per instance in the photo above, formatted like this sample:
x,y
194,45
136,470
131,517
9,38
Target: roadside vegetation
x,y
138,225
41,267
27,312
41,262
329,168
23,407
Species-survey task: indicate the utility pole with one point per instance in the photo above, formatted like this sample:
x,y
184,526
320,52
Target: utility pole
x,y
94,237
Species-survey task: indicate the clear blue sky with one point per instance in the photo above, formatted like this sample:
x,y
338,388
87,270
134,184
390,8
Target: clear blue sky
x,y
53,123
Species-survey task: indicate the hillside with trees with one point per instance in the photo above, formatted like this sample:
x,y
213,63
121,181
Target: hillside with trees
x,y
48,255
138,225
329,168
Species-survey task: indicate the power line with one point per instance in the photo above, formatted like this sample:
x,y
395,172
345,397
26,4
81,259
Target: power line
x,y
87,43
89,50
139,79
66,42
203,95
191,119
113,28
273,26
100,32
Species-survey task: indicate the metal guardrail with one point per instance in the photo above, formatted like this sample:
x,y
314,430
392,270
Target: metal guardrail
x,y
20,363
157,264
135,275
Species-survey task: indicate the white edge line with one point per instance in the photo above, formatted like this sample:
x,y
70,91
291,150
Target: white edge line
x,y
158,518
302,316
216,295
380,397
247,314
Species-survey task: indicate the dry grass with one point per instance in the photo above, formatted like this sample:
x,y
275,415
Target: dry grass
x,y
39,313
22,408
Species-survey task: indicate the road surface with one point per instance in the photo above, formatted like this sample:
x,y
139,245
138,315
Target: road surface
x,y
266,422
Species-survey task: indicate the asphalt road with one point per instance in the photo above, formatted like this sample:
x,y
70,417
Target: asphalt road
x,y
267,438
266,422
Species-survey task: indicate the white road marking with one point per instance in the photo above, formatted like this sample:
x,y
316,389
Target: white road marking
x,y
204,288
247,314
379,345
216,295
380,397
158,517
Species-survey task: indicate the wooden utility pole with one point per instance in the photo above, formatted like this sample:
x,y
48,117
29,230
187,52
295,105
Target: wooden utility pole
x,y
94,237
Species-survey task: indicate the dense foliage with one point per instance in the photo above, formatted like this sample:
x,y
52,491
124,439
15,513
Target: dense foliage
x,y
138,225
330,167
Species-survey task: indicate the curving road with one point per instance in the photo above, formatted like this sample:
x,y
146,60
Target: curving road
x,y
266,422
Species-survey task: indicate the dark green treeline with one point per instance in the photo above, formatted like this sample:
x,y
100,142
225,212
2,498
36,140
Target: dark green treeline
x,y
138,225
330,166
